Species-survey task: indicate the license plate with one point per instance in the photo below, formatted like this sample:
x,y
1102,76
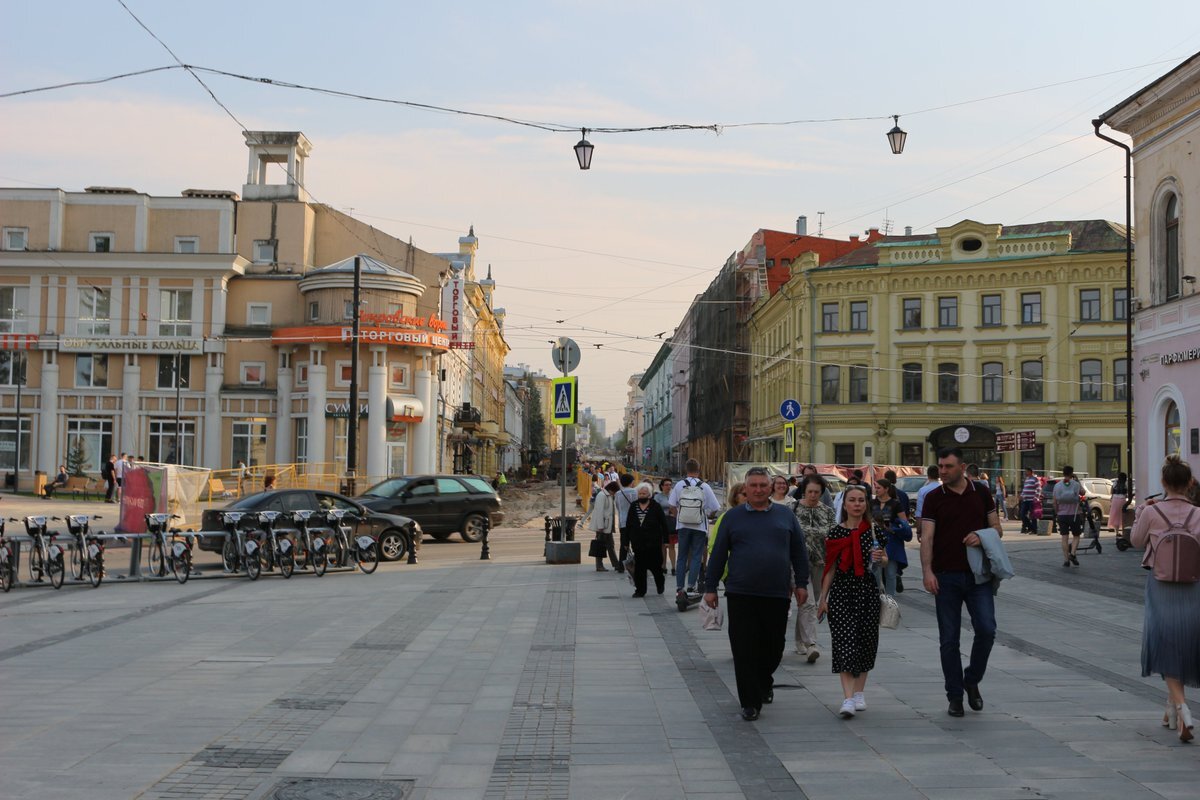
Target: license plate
x,y
318,544
251,547
285,545
364,542
178,548
93,550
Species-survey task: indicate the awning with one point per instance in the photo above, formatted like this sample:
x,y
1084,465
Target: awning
x,y
405,408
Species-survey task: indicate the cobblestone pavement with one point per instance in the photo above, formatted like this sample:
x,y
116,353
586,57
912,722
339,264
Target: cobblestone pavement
x,y
457,678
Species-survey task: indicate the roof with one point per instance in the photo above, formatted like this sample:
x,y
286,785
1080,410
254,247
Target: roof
x,y
370,266
1087,236
784,247
1184,65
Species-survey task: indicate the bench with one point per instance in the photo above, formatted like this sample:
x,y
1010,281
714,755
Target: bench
x,y
79,485
216,486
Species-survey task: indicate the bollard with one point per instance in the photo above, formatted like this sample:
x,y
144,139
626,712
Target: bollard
x,y
485,553
412,547
135,558
547,529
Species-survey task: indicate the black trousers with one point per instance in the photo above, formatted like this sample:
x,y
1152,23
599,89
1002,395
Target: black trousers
x,y
606,541
624,551
110,486
757,628
648,559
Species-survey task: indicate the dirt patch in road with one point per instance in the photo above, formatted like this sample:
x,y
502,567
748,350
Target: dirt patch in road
x,y
527,504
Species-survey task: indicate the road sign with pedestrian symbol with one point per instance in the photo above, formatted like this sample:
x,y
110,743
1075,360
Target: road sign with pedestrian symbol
x,y
566,400
789,437
789,410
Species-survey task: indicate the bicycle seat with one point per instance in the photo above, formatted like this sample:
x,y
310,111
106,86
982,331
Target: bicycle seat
x,y
269,516
304,514
232,516
157,519
78,520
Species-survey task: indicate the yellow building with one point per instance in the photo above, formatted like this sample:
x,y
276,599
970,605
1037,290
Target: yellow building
x,y
918,342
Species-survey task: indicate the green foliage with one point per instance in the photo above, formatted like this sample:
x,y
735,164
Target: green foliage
x,y
77,457
537,421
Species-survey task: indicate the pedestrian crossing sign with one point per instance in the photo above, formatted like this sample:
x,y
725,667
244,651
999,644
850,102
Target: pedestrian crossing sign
x,y
789,437
566,400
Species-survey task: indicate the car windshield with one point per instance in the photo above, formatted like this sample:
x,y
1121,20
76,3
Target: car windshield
x,y
389,488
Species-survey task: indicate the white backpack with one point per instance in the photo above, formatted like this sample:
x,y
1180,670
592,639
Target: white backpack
x,y
689,512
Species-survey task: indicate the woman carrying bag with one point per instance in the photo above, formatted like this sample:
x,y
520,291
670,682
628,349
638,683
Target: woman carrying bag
x,y
602,518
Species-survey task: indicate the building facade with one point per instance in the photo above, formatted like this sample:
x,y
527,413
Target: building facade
x,y
1163,120
656,410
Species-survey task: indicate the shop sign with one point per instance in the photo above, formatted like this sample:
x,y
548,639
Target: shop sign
x,y
399,320
18,341
342,410
375,335
132,344
452,306
1180,357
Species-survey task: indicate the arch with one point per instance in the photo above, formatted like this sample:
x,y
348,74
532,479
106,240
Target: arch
x,y
1167,200
1156,452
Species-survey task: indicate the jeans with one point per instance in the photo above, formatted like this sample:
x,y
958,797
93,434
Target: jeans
x,y
692,544
890,571
954,589
1028,523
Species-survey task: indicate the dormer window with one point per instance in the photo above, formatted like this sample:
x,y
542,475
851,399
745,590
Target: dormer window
x,y
971,245
101,242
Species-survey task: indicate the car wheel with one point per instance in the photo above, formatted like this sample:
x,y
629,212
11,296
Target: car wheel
x,y
393,546
472,527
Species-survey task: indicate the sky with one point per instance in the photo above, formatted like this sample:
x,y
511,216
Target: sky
x,y
611,256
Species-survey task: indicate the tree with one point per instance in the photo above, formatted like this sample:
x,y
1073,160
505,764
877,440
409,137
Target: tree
x,y
77,457
537,423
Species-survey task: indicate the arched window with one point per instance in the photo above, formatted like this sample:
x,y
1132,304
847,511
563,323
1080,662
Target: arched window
x,y
1172,433
1090,372
1171,288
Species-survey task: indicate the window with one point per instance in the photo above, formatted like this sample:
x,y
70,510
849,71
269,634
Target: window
x,y
13,302
89,443
991,312
165,445
91,371
843,454
9,443
1108,460
910,386
858,315
94,314
1034,459
947,312
912,313
829,317
14,364
258,315
1172,430
912,454
301,426
250,441
399,375
1090,374
314,311
993,382
1031,308
342,373
830,380
1171,248
16,238
947,383
100,242
175,312
858,383
253,373
1031,381
1089,305
347,309
302,373
1120,304
264,251
166,371
450,486
1120,379
187,244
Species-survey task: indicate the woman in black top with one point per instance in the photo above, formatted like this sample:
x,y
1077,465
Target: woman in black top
x,y
646,528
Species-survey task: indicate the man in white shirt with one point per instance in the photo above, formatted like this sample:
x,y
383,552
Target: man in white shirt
x,y
932,481
691,524
119,469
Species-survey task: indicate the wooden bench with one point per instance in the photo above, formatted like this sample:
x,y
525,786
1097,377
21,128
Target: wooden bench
x,y
216,487
79,485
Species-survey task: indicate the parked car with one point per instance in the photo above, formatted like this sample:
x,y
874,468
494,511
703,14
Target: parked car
x,y
441,504
834,482
910,485
1099,495
395,533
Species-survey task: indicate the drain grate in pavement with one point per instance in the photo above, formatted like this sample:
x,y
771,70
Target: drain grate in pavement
x,y
308,703
240,757
339,789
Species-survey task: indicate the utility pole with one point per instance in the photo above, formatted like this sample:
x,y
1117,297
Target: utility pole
x,y
352,422
19,365
178,431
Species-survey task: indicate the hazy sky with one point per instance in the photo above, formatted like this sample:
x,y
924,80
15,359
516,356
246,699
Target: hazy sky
x,y
616,252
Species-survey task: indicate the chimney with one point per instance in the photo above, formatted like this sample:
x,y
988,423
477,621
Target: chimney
x,y
802,225
908,230
854,239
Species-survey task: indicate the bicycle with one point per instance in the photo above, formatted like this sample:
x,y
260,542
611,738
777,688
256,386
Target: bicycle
x,y
45,554
239,552
87,551
276,550
8,561
168,549
312,548
363,549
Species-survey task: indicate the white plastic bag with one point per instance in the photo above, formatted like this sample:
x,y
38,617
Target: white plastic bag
x,y
711,619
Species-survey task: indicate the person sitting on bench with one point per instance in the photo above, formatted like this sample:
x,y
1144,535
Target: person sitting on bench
x,y
60,480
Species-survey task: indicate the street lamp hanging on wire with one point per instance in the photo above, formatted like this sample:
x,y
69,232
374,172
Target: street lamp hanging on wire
x,y
896,136
583,151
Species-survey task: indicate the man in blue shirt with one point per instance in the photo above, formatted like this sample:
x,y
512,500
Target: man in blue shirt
x,y
762,544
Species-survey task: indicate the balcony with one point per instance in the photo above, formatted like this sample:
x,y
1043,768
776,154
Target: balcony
x,y
468,417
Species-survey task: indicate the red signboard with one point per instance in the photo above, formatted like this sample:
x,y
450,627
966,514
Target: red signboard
x,y
18,341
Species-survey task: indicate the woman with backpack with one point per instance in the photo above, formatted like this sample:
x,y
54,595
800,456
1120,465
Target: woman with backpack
x,y
1170,531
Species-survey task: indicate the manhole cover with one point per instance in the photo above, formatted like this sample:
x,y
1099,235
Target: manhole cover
x,y
339,789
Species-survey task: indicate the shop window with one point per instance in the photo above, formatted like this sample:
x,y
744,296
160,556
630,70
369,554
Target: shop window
x,y
1172,430
9,444
167,366
89,444
91,371
166,445
250,441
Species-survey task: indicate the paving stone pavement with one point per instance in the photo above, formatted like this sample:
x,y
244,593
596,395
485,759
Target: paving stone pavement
x,y
513,679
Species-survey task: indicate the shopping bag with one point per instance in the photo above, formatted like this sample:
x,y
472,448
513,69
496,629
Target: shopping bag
x,y
889,612
711,619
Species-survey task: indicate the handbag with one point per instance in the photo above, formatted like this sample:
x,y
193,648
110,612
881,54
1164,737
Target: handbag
x,y
711,619
597,549
630,562
889,611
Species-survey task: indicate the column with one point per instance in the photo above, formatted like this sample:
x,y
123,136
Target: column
x,y
131,390
48,455
214,375
423,438
377,381
318,387
283,410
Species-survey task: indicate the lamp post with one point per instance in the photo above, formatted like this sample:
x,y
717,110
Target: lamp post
x,y
178,399
583,151
896,136
18,364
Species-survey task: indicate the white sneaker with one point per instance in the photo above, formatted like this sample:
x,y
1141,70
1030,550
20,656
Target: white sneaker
x,y
860,702
814,653
847,711
801,649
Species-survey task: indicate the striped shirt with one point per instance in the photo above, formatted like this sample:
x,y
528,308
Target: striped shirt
x,y
1031,488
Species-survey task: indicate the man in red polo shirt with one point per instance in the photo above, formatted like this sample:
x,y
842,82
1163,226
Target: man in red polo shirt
x,y
950,516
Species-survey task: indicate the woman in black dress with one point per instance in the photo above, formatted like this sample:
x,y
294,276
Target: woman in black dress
x,y
850,596
646,527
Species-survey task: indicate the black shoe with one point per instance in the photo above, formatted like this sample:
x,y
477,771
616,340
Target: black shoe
x,y
751,714
672,570
601,569
899,585
1067,563
1074,560
639,594
769,696
974,698
956,709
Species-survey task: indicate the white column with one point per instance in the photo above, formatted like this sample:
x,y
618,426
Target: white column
x,y
318,386
283,412
424,438
48,455
131,416
213,377
377,460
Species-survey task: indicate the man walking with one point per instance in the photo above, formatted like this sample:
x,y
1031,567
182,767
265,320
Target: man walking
x,y
692,502
1066,510
119,471
815,519
108,471
932,481
949,519
602,518
1029,493
763,546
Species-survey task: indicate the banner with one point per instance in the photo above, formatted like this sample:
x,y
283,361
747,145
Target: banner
x,y
143,491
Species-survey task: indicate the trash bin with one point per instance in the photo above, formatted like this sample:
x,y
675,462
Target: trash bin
x,y
39,483
556,529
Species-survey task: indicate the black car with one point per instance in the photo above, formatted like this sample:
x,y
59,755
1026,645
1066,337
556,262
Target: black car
x,y
394,533
441,504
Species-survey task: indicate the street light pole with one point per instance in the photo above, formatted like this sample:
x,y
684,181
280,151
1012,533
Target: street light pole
x,y
19,365
352,433
178,432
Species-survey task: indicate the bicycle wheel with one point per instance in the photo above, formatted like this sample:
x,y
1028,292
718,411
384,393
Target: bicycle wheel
x,y
229,555
319,562
368,558
77,560
287,562
158,559
181,566
253,566
337,552
57,570
37,567
7,577
95,570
